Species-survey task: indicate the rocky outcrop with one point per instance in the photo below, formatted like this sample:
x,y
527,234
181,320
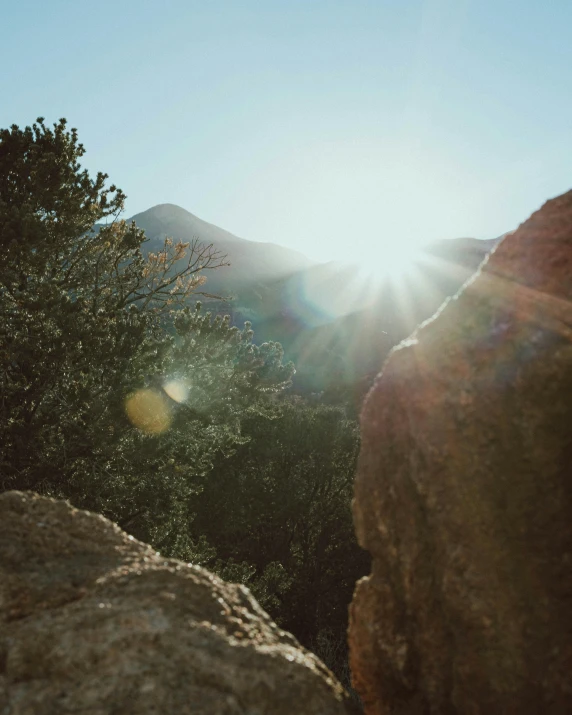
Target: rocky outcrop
x,y
94,622
464,495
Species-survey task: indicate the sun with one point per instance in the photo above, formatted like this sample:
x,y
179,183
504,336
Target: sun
x,y
390,262
328,291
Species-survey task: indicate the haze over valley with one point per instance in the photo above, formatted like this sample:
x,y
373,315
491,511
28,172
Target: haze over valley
x,y
336,320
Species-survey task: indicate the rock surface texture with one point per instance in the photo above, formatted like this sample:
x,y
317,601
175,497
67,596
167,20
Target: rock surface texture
x,y
464,495
94,622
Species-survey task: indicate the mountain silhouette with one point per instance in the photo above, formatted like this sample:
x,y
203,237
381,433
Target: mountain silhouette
x,y
251,262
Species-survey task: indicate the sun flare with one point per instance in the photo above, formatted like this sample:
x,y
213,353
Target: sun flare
x,y
148,410
391,262
177,390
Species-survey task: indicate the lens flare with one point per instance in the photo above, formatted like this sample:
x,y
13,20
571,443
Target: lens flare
x,y
177,390
149,411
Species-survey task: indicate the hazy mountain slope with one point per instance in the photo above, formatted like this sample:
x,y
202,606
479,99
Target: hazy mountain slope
x,y
338,326
334,323
251,262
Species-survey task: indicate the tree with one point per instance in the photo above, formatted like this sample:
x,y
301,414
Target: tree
x,y
278,518
114,392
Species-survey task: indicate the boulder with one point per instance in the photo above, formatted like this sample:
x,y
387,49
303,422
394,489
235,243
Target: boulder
x,y
94,622
463,495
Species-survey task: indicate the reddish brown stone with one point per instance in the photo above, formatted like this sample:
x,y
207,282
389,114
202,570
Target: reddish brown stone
x,y
464,495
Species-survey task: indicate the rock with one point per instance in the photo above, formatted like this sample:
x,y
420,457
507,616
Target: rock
x,y
94,622
464,495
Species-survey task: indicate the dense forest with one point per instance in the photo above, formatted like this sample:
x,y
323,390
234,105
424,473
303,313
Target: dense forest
x,y
123,395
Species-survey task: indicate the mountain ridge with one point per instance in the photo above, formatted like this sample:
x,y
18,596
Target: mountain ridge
x,y
250,260
335,326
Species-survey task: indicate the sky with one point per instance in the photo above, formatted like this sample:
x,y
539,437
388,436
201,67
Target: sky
x,y
340,129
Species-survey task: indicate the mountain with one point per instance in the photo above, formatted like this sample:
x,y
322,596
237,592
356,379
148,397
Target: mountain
x,y
251,262
336,324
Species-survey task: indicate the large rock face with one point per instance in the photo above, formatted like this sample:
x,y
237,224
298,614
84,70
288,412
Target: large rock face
x,y
94,622
464,495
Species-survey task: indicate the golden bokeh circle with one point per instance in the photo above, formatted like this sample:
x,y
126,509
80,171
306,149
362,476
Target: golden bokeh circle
x,y
149,411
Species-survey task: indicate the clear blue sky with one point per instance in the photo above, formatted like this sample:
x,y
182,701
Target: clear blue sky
x,y
331,127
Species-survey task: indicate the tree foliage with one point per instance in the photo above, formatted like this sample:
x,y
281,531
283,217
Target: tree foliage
x,y
89,320
278,516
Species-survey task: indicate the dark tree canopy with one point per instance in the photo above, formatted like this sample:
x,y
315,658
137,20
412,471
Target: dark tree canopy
x,y
278,513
